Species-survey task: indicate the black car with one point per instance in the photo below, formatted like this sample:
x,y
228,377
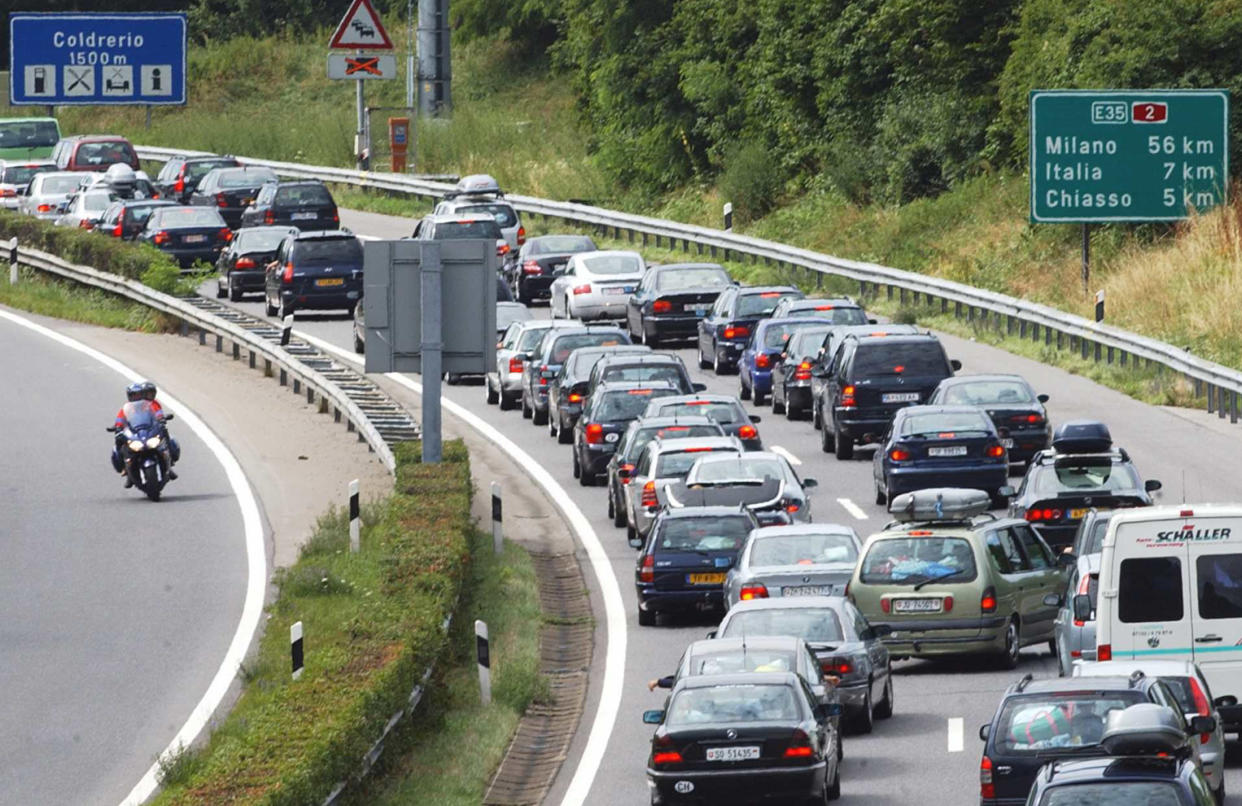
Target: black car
x,y
1011,403
180,176
540,260
1057,719
546,360
567,392
646,367
743,738
670,300
315,271
231,191
125,218
242,266
828,349
723,333
724,409
869,379
941,446
1082,470
636,437
682,565
187,234
302,203
609,411
791,378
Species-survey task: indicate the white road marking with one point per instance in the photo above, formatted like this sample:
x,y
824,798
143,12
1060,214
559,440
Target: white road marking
x,y
367,237
256,562
956,728
852,508
614,608
779,451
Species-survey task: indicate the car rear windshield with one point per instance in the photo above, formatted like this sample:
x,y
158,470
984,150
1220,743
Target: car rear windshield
x,y
776,334
768,703
97,201
328,250
722,411
642,372
1068,475
560,245
59,184
564,345
700,277
264,240
626,404
138,214
815,625
230,180
761,304
29,134
503,213
302,196
197,170
105,153
1220,585
1180,686
1094,543
719,533
645,435
803,549
188,217
743,659
941,423
677,464
911,560
985,393
900,358
1113,793
459,230
836,314
1038,722
613,264
21,174
530,338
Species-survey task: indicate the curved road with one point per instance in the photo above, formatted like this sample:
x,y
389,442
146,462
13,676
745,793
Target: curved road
x,y
116,611
928,752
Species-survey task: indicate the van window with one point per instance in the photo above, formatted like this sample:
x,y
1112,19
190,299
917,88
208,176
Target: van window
x,y
1003,547
1150,589
1036,553
29,134
1220,585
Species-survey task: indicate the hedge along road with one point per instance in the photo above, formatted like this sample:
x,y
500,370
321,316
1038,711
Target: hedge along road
x,y
124,620
927,752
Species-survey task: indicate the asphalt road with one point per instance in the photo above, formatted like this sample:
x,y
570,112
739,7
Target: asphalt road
x,y
116,610
929,751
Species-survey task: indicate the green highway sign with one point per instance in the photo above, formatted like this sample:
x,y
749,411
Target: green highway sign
x,y
1115,155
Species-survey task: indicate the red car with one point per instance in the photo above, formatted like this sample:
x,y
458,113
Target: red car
x,y
93,152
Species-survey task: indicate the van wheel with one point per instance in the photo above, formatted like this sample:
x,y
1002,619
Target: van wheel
x,y
1013,645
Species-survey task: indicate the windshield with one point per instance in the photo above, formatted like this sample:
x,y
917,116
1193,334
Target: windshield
x,y
564,345
246,179
1113,793
59,184
836,314
302,196
900,358
815,625
105,153
21,174
721,533
677,279
944,424
626,404
613,264
187,217
259,240
139,414
761,304
732,661
984,393
1047,721
329,250
777,333
1082,475
910,560
742,469
775,550
642,372
693,706
29,134
645,435
677,464
503,213
1094,544
807,342
559,245
722,411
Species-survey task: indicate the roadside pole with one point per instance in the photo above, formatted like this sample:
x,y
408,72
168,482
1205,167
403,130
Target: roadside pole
x,y
360,144
432,344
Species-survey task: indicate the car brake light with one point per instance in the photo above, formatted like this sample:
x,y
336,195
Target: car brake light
x,y
886,606
287,276
755,591
532,267
117,231
798,752
736,332
1201,706
269,217
629,469
44,208
799,746
640,392
747,432
582,289
1104,652
521,236
996,451
661,306
763,361
225,234
823,307
648,498
1186,513
647,572
666,757
837,666
898,455
161,237
336,218
8,192
803,372
1045,514
847,397
543,381
179,185
244,263
515,365
1084,588
574,397
1033,419
920,533
946,604
222,200
594,434
502,249
792,506
987,789
987,602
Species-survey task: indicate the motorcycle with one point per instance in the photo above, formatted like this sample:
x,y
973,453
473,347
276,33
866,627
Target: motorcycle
x,y
144,451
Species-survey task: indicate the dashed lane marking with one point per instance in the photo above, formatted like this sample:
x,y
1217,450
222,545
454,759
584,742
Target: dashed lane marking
x,y
956,728
852,508
779,451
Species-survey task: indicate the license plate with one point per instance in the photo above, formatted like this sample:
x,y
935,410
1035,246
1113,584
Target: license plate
x,y
916,605
900,397
304,216
733,753
617,290
951,450
194,239
629,289
327,281
705,579
807,590
1007,442
701,310
1077,514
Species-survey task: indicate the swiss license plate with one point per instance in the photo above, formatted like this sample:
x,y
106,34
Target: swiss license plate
x,y
1007,442
327,281
705,579
916,605
304,216
733,753
194,239
806,590
950,450
900,397
614,290
1077,514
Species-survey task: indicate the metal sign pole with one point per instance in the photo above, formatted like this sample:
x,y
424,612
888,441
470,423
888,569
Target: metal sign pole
x,y
1086,256
429,279
360,137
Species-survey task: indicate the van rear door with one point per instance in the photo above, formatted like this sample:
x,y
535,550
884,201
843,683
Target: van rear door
x,y
1215,547
1150,592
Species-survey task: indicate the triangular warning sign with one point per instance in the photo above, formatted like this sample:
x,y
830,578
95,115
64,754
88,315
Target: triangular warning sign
x,y
361,29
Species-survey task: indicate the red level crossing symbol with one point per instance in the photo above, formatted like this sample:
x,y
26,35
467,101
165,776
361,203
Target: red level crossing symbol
x,y
362,64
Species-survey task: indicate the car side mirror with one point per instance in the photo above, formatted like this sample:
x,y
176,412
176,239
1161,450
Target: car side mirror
x,y
112,429
1227,701
1151,485
957,365
1082,607
808,484
1202,724
699,387
653,717
1042,398
636,542
828,710
755,418
984,731
1067,560
1006,492
1052,600
711,634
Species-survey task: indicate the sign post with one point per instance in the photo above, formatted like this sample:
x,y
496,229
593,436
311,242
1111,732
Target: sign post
x,y
361,30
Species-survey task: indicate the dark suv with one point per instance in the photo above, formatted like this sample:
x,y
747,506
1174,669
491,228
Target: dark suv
x,y
315,270
304,203
869,379
180,175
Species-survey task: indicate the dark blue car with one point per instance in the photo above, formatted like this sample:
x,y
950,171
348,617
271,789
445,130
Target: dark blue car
x,y
940,446
683,564
763,352
315,271
726,329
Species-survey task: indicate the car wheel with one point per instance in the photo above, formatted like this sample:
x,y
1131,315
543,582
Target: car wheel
x,y
843,445
235,294
360,347
743,389
881,494
833,790
538,417
553,421
1013,645
492,397
646,618
1219,794
827,440
526,410
884,709
221,290
630,532
649,339
777,408
761,399
577,468
618,514
612,505
865,721
563,435
718,367
1061,670
268,308
817,422
703,362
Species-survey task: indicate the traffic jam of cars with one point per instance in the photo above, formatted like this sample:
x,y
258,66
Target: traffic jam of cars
x,y
1007,530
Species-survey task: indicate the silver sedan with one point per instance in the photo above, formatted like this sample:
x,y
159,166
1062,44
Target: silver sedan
x,y
799,560
47,193
85,208
504,383
596,285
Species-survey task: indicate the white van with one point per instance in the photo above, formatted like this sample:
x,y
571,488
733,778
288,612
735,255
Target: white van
x,y
1171,587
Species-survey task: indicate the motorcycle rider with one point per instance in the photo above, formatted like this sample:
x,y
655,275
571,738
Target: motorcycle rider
x,y
137,394
149,391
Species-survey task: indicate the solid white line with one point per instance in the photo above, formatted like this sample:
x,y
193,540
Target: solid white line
x,y
367,237
779,451
256,562
614,608
956,728
852,508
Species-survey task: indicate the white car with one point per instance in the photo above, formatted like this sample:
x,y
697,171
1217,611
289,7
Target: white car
x,y
596,285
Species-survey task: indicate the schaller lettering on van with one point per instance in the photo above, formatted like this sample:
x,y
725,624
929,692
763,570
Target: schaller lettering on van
x,y
1190,533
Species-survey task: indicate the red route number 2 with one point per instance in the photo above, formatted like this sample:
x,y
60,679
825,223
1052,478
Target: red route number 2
x,y
1149,112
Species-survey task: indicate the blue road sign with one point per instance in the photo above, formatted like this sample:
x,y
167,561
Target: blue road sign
x,y
91,59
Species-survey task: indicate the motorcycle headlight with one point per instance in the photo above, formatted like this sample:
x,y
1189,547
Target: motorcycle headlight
x,y
135,444
153,443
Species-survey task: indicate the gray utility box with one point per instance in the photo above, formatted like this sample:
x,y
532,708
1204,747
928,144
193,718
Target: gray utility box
x,y
396,274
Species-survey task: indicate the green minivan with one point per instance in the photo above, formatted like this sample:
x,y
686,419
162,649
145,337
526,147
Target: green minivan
x,y
948,578
28,138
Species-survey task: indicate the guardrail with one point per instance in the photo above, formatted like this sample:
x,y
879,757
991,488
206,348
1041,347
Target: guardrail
x,y
1097,341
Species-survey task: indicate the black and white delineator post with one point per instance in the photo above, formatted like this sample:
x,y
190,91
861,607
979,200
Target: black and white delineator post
x,y
1099,305
13,260
485,661
286,329
295,648
498,534
728,216
355,519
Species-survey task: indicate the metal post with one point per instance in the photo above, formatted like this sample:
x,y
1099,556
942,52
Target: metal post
x,y
498,533
434,71
1086,256
728,217
409,57
1099,305
431,345
360,135
148,117
13,260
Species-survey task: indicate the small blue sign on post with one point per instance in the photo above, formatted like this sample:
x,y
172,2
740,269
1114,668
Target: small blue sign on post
x,y
88,59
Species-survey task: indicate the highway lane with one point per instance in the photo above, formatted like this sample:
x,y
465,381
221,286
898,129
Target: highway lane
x,y
928,751
117,611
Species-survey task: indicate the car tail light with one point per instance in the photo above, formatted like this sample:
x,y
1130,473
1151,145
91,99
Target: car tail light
x,y
647,572
898,455
244,263
823,307
791,506
86,223
1104,652
987,602
8,192
179,185
502,249
269,217
532,267
287,275
1044,514
886,605
995,451
847,397
747,432
225,234
543,381
946,604
837,666
1026,419
628,468
117,231
666,757
736,332
1186,513
515,365
755,591
803,372
595,434
987,789
648,498
44,208
574,397
1084,588
1201,706
799,746
521,236
222,200
582,289
161,237
336,217
661,306
763,361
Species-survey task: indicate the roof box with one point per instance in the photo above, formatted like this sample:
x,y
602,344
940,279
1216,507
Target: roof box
x,y
1145,729
1082,436
476,185
940,504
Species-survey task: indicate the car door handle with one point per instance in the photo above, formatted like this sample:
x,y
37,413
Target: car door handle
x,y
1208,639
